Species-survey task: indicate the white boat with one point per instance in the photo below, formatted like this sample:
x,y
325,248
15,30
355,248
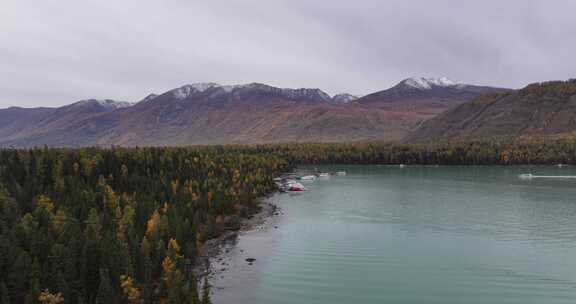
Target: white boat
x,y
323,174
531,176
341,173
308,177
294,186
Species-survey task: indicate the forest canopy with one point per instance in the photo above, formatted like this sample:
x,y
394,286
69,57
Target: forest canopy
x,y
125,225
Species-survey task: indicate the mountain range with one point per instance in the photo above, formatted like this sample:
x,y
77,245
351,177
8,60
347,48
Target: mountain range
x,y
209,113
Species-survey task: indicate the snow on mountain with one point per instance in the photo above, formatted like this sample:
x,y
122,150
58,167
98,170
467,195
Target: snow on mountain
x,y
306,93
185,91
426,83
215,89
343,98
149,97
108,104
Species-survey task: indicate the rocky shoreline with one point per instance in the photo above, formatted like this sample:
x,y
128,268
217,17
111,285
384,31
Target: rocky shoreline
x,y
211,261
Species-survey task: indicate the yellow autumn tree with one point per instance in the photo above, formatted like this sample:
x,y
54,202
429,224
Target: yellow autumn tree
x,y
131,292
174,249
152,224
111,201
45,202
46,297
210,197
174,185
171,275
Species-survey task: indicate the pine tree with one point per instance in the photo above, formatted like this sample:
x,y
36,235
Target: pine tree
x,y
4,296
146,264
206,292
172,274
193,290
93,226
89,268
105,293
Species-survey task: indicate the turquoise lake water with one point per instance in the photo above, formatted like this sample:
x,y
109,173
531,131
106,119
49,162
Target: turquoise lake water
x,y
384,234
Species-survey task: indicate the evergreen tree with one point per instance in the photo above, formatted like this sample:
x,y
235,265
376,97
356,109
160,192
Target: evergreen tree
x,y
106,292
76,220
4,296
206,292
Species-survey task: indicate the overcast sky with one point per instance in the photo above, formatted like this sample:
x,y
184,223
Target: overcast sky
x,y
55,52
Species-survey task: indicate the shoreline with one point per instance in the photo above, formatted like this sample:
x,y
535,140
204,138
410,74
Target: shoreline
x,y
215,251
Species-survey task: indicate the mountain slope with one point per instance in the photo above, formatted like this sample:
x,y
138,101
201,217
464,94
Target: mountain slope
x,y
55,126
15,120
431,95
540,109
208,113
253,113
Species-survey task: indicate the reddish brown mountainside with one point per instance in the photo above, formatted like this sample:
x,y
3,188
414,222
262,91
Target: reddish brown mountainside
x,y
541,109
255,113
425,95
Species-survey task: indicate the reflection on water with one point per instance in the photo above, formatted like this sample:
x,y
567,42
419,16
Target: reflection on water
x,y
384,234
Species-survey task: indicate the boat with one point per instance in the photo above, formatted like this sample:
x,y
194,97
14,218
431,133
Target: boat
x,y
531,176
341,173
323,174
308,177
294,186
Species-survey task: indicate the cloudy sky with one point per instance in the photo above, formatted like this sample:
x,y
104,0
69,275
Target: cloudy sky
x,y
54,52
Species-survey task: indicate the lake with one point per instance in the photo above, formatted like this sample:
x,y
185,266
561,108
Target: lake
x,y
385,234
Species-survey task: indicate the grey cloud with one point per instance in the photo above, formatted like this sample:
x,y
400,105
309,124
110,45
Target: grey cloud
x,y
54,52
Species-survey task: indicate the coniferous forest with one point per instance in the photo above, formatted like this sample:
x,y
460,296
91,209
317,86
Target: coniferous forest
x,y
118,225
124,225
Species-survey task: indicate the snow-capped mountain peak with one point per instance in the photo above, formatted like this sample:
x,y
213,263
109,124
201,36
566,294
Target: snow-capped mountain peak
x,y
108,104
344,98
149,97
425,83
214,89
185,91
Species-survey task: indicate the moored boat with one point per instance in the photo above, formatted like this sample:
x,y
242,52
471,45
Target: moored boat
x,y
294,186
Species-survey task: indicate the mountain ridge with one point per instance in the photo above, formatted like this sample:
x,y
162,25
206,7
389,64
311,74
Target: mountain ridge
x,y
209,113
539,109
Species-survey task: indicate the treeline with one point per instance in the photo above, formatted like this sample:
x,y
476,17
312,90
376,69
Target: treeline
x,y
124,225
503,151
567,87
119,225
